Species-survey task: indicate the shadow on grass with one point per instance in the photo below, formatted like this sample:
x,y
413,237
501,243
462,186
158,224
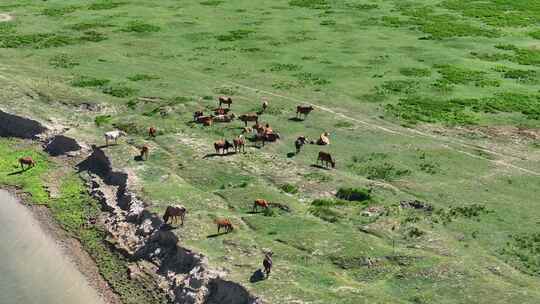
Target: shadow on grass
x,y
210,155
257,276
17,172
296,119
138,158
215,235
291,154
319,167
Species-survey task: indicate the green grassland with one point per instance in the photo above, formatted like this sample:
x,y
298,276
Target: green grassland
x,y
407,89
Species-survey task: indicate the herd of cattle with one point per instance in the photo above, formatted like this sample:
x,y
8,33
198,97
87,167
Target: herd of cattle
x,y
261,132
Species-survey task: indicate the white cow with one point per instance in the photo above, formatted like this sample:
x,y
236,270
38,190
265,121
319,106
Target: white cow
x,y
113,135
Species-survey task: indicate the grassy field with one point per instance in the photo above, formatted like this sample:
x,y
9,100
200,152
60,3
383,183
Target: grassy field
x,y
427,100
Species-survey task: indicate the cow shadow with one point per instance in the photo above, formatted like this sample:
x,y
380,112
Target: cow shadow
x,y
319,167
17,172
257,276
211,236
291,154
166,227
295,119
211,155
138,158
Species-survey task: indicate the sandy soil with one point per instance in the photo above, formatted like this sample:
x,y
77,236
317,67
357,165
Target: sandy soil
x,y
6,17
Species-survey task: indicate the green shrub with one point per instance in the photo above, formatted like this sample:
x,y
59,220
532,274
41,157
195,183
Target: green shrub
x,y
525,76
139,26
59,11
278,67
311,79
354,194
535,34
87,81
119,91
211,2
93,36
104,5
86,26
313,4
326,214
234,35
398,87
523,251
102,120
289,188
415,72
63,61
36,41
142,77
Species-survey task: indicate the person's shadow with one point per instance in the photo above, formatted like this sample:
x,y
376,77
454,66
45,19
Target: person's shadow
x,y
257,276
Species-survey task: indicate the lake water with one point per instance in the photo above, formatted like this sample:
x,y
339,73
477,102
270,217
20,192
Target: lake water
x,y
33,269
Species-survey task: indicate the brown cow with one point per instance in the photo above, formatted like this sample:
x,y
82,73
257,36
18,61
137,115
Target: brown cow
x,y
225,100
224,223
260,203
239,144
28,161
326,159
223,146
221,111
249,117
303,110
175,212
152,132
225,117
145,151
268,137
206,120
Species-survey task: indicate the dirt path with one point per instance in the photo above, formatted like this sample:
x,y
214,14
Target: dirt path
x,y
446,141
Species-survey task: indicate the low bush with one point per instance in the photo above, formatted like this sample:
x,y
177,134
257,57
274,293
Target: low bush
x,y
234,35
415,72
139,26
102,120
104,5
87,81
354,194
64,61
119,91
398,87
523,251
142,77
59,11
313,4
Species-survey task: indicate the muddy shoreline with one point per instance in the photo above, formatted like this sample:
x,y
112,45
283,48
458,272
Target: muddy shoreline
x,y
70,246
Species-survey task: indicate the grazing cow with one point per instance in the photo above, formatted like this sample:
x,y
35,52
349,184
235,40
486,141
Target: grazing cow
x,y
299,142
324,139
113,135
268,137
224,223
145,150
267,263
249,117
303,110
28,161
268,129
225,100
206,120
174,213
264,104
247,130
325,159
221,111
222,145
197,114
260,203
152,132
239,144
224,117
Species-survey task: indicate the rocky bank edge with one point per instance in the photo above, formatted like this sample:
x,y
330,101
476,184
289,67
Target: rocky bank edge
x,y
135,232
